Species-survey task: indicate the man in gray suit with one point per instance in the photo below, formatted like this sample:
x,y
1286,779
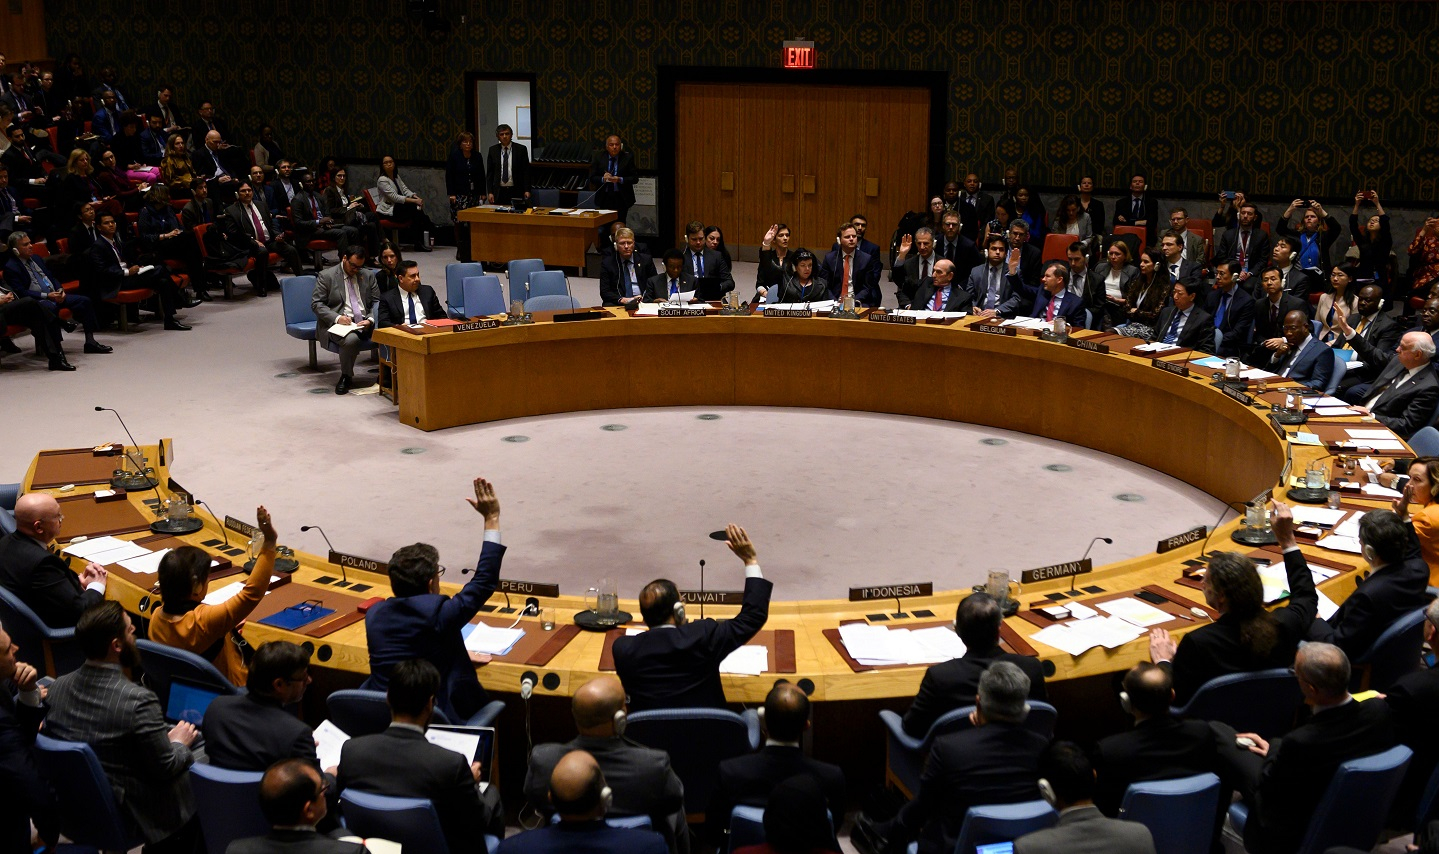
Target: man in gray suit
x,y
1067,782
641,778
346,294
146,761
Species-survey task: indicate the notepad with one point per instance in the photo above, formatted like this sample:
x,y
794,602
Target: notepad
x,y
295,616
824,305
1132,610
145,564
490,640
1304,439
746,661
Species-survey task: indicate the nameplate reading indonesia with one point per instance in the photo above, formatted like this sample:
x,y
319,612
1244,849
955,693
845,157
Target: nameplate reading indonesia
x,y
902,319
891,591
1057,570
1169,544
991,329
357,562
528,588
1181,369
241,528
712,597
474,325
682,312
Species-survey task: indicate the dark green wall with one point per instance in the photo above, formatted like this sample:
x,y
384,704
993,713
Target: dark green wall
x,y
1271,97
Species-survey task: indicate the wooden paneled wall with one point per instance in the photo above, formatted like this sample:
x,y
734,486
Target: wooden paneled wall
x,y
22,32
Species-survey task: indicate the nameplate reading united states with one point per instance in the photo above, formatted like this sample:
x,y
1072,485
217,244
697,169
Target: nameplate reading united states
x,y
528,588
712,597
242,528
905,319
994,330
1091,346
682,312
1169,544
1058,570
787,312
891,591
357,562
475,324
1174,368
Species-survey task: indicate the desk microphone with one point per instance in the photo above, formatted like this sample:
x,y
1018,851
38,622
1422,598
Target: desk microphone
x,y
1228,505
140,470
343,575
223,530
1107,542
702,588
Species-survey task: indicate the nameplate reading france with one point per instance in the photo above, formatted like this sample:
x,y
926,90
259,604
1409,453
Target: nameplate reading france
x,y
475,324
357,562
682,312
784,312
241,528
1091,346
1174,368
528,588
904,319
992,329
891,591
712,597
1058,570
1169,544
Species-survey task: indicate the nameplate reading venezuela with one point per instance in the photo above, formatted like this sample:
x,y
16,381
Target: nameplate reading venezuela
x,y
1246,399
891,591
1091,346
1058,570
475,324
528,588
993,329
1174,368
789,312
903,319
242,528
357,562
1169,544
682,312
712,597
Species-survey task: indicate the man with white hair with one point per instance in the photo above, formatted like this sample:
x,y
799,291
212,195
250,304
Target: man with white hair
x,y
42,579
1404,392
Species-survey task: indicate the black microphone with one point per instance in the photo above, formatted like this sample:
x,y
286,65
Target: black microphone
x,y
1107,542
1228,505
702,588
223,530
344,576
139,467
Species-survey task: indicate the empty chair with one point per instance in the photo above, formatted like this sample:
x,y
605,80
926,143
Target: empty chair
x,y
987,825
1179,813
412,822
9,492
483,296
1394,653
905,754
551,302
296,293
746,827
59,653
696,740
547,282
89,814
1340,366
358,712
1056,246
519,275
1425,442
1262,701
455,275
545,197
228,803
164,664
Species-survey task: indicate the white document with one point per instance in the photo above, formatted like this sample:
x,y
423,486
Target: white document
x,y
1304,439
560,210
462,743
127,551
940,642
148,268
1324,400
221,595
1304,515
1276,582
1041,323
94,546
926,314
824,305
632,631
1060,637
1209,362
1327,608
1080,612
1256,374
1341,544
328,741
146,564
1134,611
870,644
1348,528
1368,434
340,330
746,661
1330,411
1108,632
493,640
1374,490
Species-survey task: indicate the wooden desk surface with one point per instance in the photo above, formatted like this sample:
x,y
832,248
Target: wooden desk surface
x,y
559,240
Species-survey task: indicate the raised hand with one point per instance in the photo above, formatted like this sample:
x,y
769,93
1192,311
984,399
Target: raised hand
x,y
738,542
485,502
267,528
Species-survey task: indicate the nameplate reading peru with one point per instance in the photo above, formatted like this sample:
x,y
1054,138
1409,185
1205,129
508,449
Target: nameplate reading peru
x,y
1058,570
357,562
528,588
712,597
891,591
241,527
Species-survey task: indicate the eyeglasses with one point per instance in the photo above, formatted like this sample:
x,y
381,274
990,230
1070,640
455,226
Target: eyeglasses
x,y
439,570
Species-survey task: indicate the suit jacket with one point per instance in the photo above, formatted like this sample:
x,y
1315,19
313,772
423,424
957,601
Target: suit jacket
x,y
1266,326
1383,334
195,212
394,308
750,779
1215,649
1237,323
428,626
1197,332
712,263
205,161
1124,215
1298,283
591,837
519,168
991,764
1011,290
43,581
1299,767
1379,601
1405,409
1260,249
610,289
306,211
1156,749
293,842
251,732
1193,248
1414,702
1312,366
23,166
657,288
907,279
960,298
17,277
770,272
965,255
865,271
641,778
789,289
1071,307
668,668
972,216
1085,830
399,762
1095,209
614,196
122,722
240,229
954,684
329,298
1188,271
26,790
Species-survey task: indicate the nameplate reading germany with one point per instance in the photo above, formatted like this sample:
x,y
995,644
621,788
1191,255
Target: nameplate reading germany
x,y
906,319
475,324
789,312
682,312
357,562
1180,368
712,597
1058,570
241,527
1169,544
993,329
528,588
891,591
1081,344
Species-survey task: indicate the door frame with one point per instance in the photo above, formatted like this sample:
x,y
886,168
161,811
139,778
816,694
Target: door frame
x,y
670,76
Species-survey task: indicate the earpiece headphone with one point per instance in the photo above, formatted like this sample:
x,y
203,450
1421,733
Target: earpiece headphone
x,y
1046,791
1124,703
607,795
621,721
679,613
1370,555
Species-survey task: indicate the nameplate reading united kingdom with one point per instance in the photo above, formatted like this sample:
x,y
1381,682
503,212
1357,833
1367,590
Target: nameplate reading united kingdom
x,y
357,562
475,324
1246,399
783,312
904,319
1058,570
242,528
891,591
712,597
682,312
994,329
1174,368
1169,544
528,588
1091,346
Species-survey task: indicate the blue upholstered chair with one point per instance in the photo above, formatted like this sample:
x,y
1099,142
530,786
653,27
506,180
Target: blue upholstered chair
x,y
358,711
905,754
228,803
551,302
296,293
483,296
986,825
696,740
1425,442
545,282
455,275
1394,653
1179,813
89,814
59,653
519,275
164,664
1262,701
1340,366
545,197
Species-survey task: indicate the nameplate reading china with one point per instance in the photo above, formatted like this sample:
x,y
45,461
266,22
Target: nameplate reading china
x,y
1180,369
1169,544
241,528
475,324
1091,346
712,597
528,588
682,312
783,312
1058,570
357,562
903,319
994,330
891,591
1246,399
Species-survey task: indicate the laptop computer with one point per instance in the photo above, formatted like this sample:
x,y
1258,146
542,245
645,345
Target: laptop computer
x,y
483,739
188,701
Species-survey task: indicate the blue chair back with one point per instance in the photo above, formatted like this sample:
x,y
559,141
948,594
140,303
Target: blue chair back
x,y
1181,814
986,825
296,295
746,827
483,295
455,275
1340,366
1425,442
228,803
88,812
1352,812
545,282
358,711
9,493
59,653
519,275
696,740
545,197
551,302
1262,701
1393,654
412,822
905,755
163,664
1428,802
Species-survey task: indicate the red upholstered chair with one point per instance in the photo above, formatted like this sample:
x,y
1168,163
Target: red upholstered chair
x,y
1056,246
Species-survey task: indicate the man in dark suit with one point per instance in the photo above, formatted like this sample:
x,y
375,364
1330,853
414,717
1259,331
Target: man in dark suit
x,y
1159,747
1053,299
1233,311
578,791
292,797
146,760
657,288
851,271
612,176
749,780
217,163
42,579
1304,358
1031,259
700,260
911,269
44,327
249,227
641,779
1176,266
1283,780
624,273
1269,313
420,622
412,302
861,225
22,710
14,216
954,684
254,730
112,269
507,168
676,663
1244,243
1184,324
166,110
1085,283
401,763
996,287
28,274
1067,782
1139,209
1372,324
994,762
27,175
952,244
1414,702
1395,587
1296,281
307,212
941,292
975,208
208,123
1406,390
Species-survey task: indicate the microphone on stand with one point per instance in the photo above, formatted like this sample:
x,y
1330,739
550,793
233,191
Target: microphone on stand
x,y
702,588
223,530
343,575
141,472
1228,505
1107,542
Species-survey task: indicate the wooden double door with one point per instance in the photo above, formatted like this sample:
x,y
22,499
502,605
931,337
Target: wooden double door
x,y
749,155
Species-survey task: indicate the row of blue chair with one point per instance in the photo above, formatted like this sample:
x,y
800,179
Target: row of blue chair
x,y
528,279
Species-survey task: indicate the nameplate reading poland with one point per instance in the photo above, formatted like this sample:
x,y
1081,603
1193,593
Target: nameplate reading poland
x,y
891,591
528,588
712,597
241,527
1058,570
357,562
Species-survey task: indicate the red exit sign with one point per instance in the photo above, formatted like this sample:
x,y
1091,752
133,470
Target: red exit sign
x,y
798,54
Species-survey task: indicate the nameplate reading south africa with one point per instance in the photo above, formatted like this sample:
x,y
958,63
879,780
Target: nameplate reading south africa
x,y
357,562
891,591
682,312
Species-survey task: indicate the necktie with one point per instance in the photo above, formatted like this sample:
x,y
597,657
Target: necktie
x,y
631,286
993,296
1172,336
1138,208
923,269
613,168
353,295
699,263
411,298
260,233
1289,366
1363,322
973,201
844,291
504,166
938,304
1243,248
38,276
1053,301
1219,315
1174,272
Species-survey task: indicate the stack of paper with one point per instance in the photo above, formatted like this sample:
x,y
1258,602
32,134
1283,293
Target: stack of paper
x,y
146,564
1081,636
1276,582
1305,515
328,741
1209,362
221,595
1131,610
823,306
462,743
746,661
1304,439
1341,543
877,645
1037,323
106,550
652,309
492,640
941,642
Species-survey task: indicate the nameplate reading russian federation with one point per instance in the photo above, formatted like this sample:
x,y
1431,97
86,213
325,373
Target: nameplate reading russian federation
x,y
357,562
475,324
1091,346
1180,368
891,591
528,588
903,319
1246,399
1169,544
993,329
1058,570
242,528
789,312
712,597
682,312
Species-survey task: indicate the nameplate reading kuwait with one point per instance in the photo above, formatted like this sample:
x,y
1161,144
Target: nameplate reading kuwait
x,y
1091,346
891,591
682,312
712,597
528,588
789,312
475,324
1058,570
242,528
902,319
357,562
1169,544
1181,369
991,329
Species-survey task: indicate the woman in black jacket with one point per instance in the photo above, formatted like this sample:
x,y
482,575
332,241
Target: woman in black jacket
x,y
464,184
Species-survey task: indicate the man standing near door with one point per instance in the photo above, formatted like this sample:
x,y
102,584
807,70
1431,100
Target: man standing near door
x,y
612,177
507,168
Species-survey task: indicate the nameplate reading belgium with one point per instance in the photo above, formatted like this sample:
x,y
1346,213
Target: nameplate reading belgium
x,y
1058,570
712,597
528,588
242,528
891,591
357,562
